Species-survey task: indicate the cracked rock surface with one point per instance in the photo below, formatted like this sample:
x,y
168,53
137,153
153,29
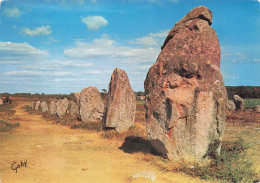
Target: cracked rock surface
x,y
91,105
121,103
185,93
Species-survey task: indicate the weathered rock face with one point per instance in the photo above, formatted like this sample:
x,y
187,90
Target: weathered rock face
x,y
1,102
231,105
257,108
121,102
77,94
33,105
239,102
185,94
74,109
37,106
62,106
44,106
53,108
91,105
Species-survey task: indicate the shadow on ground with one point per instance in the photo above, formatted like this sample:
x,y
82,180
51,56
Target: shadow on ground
x,y
134,144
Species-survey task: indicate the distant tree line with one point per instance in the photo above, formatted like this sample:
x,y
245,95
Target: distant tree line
x,y
242,91
40,96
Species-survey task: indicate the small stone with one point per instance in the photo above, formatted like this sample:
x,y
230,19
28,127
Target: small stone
x,y
37,106
257,108
147,174
62,106
44,106
74,109
91,105
1,102
77,94
231,105
53,108
239,102
33,105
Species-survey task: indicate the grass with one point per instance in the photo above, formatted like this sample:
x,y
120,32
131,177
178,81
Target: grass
x,y
92,126
232,165
251,103
7,108
6,126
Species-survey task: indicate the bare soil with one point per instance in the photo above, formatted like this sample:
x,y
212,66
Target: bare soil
x,y
56,153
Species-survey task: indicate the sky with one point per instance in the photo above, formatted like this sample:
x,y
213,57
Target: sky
x,y
63,46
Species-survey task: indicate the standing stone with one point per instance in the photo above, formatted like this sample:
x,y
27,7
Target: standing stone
x,y
74,109
185,93
44,107
37,106
53,108
121,102
257,108
62,106
239,102
91,105
77,94
1,102
231,105
33,105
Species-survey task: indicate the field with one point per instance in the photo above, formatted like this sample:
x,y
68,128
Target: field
x,y
65,150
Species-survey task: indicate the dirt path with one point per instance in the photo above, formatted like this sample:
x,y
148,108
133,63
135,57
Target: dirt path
x,y
56,153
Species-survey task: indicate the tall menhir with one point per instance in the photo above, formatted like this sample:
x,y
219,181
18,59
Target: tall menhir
x,y
185,93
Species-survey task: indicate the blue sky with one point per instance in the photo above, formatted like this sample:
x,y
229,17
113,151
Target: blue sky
x,y
63,46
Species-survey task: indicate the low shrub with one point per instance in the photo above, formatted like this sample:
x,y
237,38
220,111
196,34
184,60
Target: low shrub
x,y
6,126
232,165
93,126
251,103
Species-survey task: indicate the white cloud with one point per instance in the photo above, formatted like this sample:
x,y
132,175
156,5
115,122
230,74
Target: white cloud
x,y
12,12
153,39
51,40
147,41
57,65
94,22
94,72
37,73
10,51
161,34
106,49
38,31
235,53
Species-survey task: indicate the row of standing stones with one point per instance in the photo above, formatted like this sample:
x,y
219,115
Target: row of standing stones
x,y
118,113
186,99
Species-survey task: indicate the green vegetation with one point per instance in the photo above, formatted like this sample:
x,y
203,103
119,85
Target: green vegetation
x,y
93,126
251,103
6,110
42,97
6,126
232,165
243,91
